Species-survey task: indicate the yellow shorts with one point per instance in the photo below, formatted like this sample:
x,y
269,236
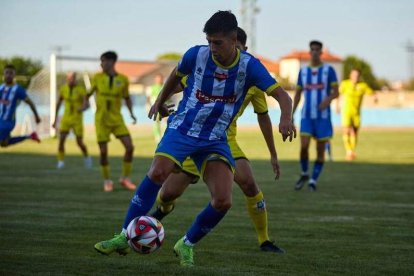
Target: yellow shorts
x,y
351,120
103,132
76,125
190,167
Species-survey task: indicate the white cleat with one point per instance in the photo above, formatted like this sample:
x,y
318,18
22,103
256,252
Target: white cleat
x,y
60,165
88,162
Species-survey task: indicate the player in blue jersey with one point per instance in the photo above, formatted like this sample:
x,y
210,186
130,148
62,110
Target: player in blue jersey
x,y
319,84
10,96
219,76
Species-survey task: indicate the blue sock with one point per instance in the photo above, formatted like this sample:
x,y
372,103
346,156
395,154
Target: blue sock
x,y
142,201
17,139
317,168
304,163
204,223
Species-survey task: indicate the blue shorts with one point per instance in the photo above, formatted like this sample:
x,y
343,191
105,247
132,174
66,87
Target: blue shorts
x,y
6,128
321,129
177,147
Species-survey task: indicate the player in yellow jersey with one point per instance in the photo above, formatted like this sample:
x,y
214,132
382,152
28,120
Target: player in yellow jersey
x,y
111,88
73,95
352,92
176,183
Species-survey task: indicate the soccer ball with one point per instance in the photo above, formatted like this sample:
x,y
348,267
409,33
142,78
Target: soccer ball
x,y
145,234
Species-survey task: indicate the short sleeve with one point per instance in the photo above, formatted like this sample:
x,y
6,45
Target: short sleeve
x,y
188,61
333,80
260,77
21,93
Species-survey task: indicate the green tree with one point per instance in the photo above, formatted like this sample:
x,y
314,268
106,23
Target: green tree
x,y
170,56
353,62
25,68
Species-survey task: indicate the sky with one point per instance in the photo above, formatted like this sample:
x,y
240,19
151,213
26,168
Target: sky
x,y
374,30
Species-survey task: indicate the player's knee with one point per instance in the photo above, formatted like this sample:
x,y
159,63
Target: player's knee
x,y
158,174
222,204
4,143
129,149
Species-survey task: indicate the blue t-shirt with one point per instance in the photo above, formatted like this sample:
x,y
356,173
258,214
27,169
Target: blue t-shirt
x,y
215,93
316,83
10,97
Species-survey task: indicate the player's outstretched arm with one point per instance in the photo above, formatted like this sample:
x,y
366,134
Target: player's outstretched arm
x,y
286,126
166,92
267,130
34,110
296,99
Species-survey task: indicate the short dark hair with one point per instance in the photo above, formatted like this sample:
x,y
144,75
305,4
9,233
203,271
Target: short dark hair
x,y
315,42
10,66
221,22
241,36
111,55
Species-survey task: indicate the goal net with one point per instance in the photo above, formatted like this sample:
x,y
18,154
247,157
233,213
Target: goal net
x,y
44,87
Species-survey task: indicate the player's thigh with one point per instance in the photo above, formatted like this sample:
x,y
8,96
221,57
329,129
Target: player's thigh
x,y
307,127
219,178
5,130
102,133
356,121
174,186
64,125
161,167
78,129
324,129
126,141
121,130
346,119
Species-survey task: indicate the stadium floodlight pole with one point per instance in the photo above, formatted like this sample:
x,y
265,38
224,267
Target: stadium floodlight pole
x,y
53,81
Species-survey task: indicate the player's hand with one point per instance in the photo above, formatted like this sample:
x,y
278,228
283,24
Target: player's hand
x,y
275,166
54,124
287,129
166,110
323,105
134,119
38,120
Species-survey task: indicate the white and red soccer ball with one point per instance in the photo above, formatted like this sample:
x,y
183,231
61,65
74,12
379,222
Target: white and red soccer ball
x,y
145,234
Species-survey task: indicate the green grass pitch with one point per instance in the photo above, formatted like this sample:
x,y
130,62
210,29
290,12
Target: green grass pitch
x,y
359,222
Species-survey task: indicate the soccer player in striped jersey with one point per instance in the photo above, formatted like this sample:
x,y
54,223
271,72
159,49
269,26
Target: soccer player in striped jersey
x,y
73,95
319,84
219,76
176,183
111,88
10,96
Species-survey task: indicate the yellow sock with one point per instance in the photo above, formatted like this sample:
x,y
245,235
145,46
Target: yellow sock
x,y
61,155
352,142
126,169
105,171
166,207
258,214
347,142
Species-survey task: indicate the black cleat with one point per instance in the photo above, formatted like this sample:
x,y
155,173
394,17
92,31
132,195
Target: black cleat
x,y
269,246
158,214
312,187
299,184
